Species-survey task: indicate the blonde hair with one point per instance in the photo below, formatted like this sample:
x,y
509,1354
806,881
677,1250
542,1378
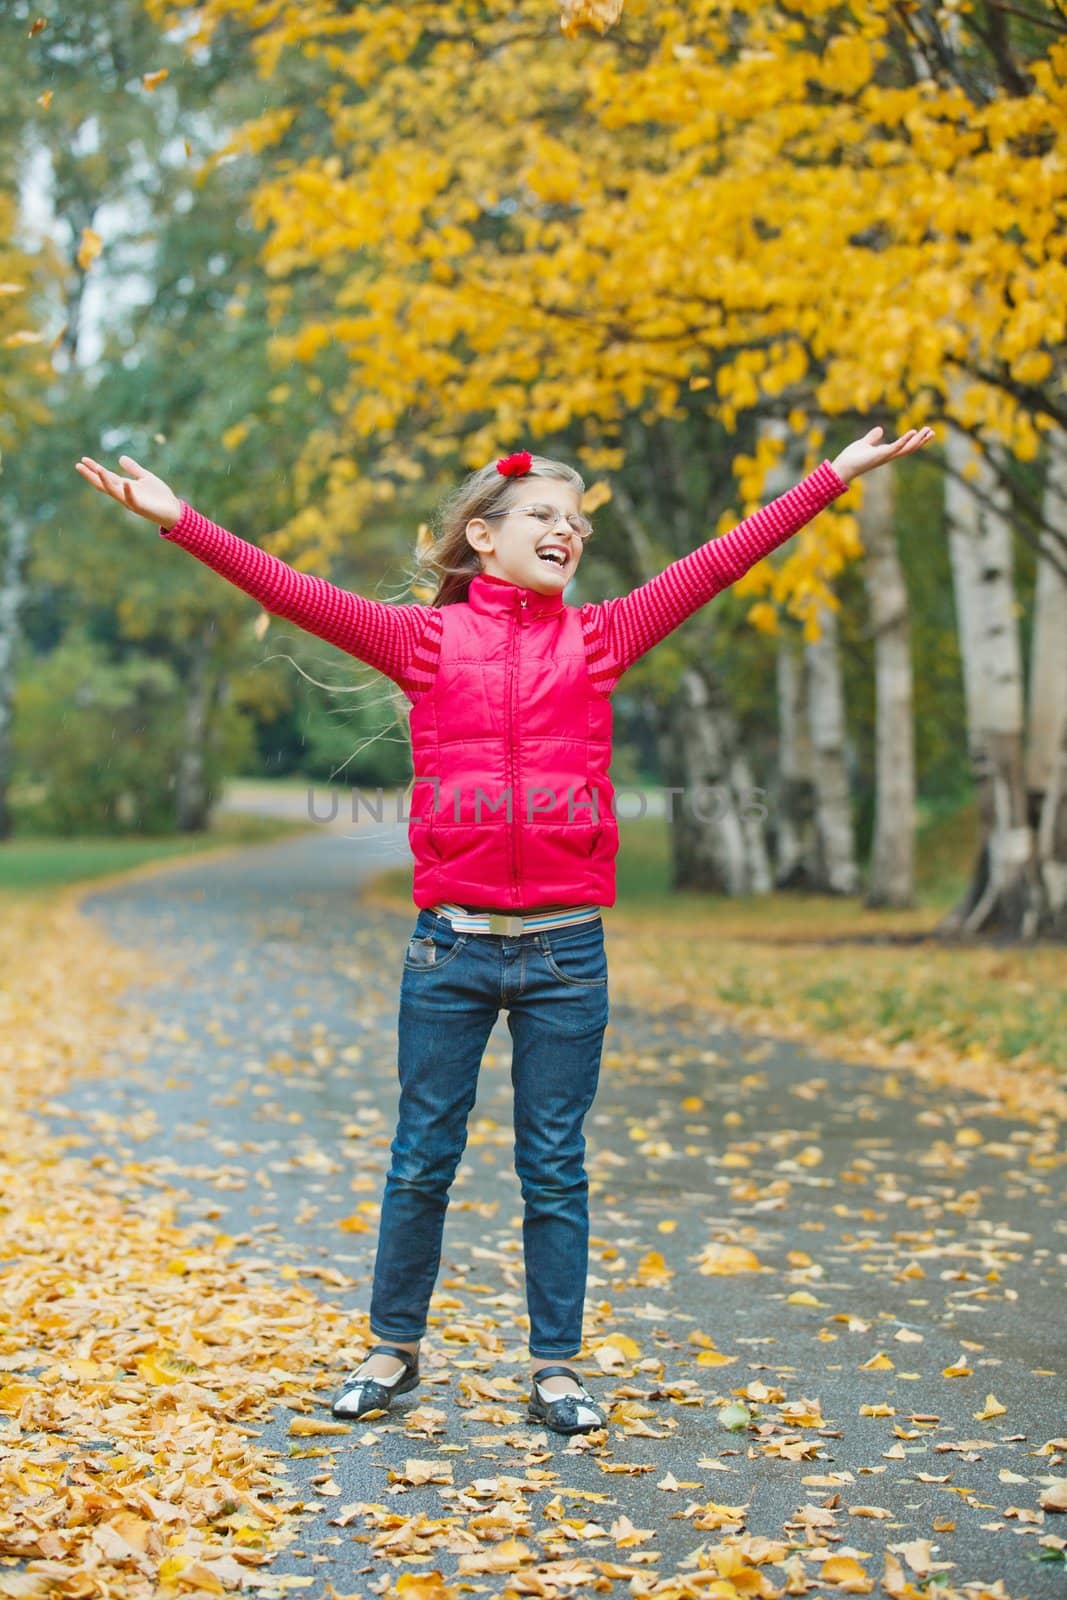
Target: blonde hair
x,y
449,560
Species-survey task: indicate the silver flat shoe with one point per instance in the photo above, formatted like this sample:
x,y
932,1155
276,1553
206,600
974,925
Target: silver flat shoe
x,y
564,1413
358,1396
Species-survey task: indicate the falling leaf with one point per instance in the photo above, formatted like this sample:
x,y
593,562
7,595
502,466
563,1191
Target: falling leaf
x,y
151,80
45,100
42,22
88,249
598,14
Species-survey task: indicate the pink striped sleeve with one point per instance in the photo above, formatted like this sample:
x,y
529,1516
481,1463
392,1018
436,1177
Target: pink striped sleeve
x,y
399,640
618,632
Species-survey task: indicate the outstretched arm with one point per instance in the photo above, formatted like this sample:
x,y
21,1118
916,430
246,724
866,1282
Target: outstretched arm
x,y
618,632
383,635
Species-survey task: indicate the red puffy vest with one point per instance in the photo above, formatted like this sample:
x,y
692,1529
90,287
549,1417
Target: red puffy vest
x,y
511,803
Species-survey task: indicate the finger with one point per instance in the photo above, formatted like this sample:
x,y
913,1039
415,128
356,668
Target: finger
x,y
108,483
133,468
111,482
92,475
903,443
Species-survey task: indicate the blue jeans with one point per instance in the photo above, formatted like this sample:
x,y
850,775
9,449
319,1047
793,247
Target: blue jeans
x,y
555,988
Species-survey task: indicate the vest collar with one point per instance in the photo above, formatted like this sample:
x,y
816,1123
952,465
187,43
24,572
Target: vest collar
x,y
499,597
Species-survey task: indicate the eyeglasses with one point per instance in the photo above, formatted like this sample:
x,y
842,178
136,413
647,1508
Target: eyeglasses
x,y
549,516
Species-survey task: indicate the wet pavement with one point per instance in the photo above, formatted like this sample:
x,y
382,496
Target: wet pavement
x,y
897,1233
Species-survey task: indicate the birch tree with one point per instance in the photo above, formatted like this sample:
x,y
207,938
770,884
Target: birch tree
x,y
1005,891
892,871
796,839
1046,750
834,827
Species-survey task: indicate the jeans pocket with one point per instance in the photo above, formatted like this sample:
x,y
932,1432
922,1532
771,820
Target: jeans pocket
x,y
577,956
434,948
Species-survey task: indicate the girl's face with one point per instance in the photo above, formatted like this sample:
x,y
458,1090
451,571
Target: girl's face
x,y
538,543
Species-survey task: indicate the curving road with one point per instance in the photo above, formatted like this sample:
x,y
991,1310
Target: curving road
x,y
902,1211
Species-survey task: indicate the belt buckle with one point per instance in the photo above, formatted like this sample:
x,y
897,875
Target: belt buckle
x,y
500,922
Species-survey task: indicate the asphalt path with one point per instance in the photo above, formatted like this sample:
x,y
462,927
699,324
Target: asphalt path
x,y
892,1221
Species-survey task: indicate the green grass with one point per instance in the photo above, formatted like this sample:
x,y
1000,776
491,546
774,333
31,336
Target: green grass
x,y
29,864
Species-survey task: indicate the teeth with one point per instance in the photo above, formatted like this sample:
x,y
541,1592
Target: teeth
x,y
553,555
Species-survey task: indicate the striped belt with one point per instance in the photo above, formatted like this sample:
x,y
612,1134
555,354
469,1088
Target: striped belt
x,y
464,921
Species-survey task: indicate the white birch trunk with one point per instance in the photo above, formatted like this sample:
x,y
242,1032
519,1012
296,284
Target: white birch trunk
x,y
797,864
833,803
1005,893
717,840
796,845
892,874
202,688
11,596
1046,754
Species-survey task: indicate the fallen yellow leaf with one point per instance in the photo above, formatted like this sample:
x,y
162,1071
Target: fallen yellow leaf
x,y
727,1260
305,1427
847,1574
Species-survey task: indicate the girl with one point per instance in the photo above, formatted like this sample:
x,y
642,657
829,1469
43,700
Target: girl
x,y
514,839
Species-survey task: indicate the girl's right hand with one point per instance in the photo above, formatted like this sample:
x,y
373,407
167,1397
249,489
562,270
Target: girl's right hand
x,y
142,491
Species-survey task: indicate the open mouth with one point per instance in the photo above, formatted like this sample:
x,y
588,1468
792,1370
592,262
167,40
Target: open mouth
x,y
553,554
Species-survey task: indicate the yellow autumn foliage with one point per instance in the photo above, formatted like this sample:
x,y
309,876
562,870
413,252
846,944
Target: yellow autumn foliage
x,y
529,224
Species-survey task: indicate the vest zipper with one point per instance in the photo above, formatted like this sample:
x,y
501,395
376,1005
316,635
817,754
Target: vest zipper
x,y
513,747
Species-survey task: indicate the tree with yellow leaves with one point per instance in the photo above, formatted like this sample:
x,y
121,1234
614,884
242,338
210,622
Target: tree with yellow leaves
x,y
697,217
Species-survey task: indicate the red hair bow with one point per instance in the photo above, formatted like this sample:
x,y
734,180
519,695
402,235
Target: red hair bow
x,y
516,466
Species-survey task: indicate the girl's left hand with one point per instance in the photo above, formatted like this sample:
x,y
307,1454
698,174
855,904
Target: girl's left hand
x,y
867,452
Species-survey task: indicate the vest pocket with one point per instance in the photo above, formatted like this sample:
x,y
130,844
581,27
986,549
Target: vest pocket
x,y
432,842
